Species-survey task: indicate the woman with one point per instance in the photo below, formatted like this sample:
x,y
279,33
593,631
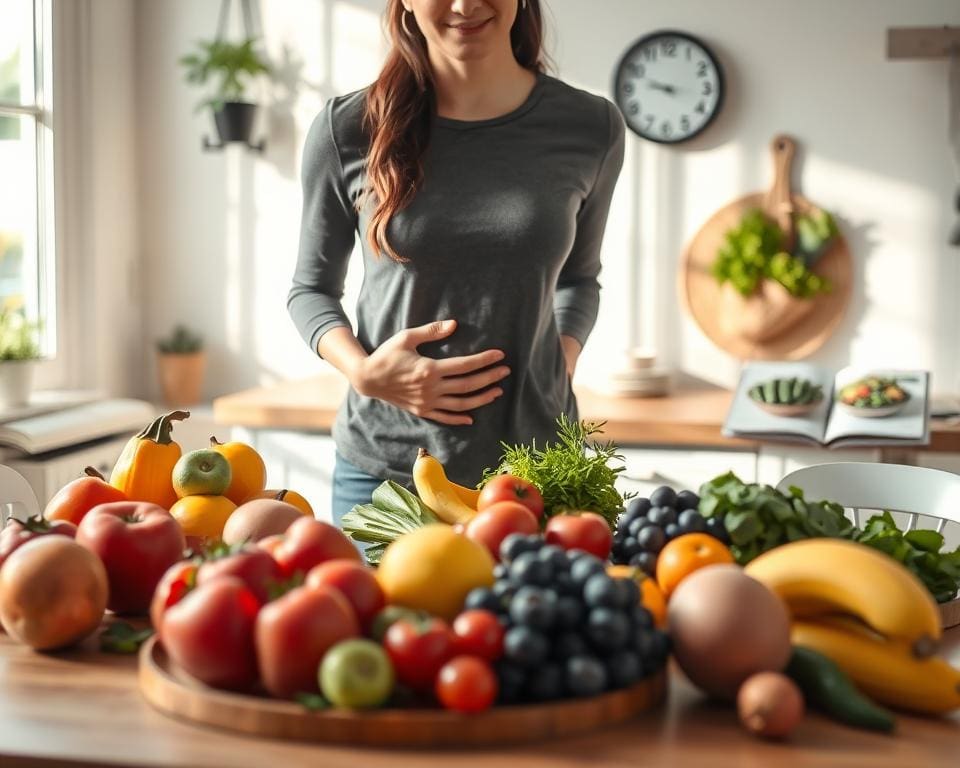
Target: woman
x,y
480,188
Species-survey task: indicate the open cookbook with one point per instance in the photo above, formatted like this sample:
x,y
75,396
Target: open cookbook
x,y
857,406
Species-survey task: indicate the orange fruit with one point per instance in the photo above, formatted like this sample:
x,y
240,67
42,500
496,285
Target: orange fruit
x,y
432,569
203,516
686,554
248,473
291,497
651,596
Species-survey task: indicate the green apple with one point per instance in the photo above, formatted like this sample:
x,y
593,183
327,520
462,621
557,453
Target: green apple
x,y
356,674
204,472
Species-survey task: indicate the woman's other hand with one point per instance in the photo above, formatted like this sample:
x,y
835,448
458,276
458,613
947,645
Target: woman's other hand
x,y
571,353
441,390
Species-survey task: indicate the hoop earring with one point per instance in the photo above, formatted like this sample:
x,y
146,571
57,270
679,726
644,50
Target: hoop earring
x,y
403,22
523,5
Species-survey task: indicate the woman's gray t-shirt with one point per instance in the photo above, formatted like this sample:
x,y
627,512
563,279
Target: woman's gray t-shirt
x,y
503,236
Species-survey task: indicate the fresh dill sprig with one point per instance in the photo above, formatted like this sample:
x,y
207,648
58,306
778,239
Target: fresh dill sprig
x,y
573,474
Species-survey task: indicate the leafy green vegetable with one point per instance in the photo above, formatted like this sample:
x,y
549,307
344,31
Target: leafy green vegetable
x,y
754,251
314,702
815,231
121,637
759,518
572,473
392,512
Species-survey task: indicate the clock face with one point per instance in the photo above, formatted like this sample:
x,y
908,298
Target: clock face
x,y
669,87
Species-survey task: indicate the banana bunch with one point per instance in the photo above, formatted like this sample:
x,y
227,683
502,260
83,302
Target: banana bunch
x,y
451,502
868,614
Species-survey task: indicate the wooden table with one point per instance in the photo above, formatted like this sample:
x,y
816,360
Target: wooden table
x,y
691,416
83,708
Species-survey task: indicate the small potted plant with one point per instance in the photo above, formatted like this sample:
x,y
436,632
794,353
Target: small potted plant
x,y
180,363
19,349
232,67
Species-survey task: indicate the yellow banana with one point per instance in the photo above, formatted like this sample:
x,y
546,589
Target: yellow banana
x,y
468,496
822,576
885,670
437,492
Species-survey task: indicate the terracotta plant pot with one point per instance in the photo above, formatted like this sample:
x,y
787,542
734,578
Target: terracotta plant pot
x,y
181,377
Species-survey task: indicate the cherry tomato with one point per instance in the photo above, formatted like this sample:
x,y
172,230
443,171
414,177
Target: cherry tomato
x,y
466,684
418,649
511,488
583,530
479,633
496,522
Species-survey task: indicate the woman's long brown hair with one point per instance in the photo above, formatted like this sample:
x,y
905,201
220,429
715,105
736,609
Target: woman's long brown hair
x,y
399,108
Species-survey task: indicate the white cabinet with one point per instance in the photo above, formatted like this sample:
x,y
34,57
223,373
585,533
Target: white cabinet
x,y
299,461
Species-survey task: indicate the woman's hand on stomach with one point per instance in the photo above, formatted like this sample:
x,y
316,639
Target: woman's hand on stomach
x,y
440,390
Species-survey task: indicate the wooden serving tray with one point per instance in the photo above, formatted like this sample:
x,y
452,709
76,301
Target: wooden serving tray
x,y
177,695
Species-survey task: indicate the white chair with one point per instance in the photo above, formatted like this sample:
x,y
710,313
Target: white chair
x,y
908,490
15,492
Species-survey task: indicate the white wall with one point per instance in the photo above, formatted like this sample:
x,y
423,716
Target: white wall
x,y
218,231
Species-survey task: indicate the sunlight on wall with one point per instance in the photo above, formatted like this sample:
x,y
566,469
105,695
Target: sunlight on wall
x,y
357,47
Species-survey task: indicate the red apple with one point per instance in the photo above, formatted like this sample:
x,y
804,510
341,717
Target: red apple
x,y
309,542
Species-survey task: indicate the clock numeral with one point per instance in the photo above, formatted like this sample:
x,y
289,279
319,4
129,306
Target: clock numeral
x,y
633,108
648,121
707,88
701,108
636,69
702,69
684,123
628,88
670,48
666,129
650,54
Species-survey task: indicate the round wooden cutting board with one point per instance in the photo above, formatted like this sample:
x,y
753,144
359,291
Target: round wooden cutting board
x,y
175,694
723,314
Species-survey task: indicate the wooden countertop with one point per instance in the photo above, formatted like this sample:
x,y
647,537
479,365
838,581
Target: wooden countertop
x,y
691,415
83,708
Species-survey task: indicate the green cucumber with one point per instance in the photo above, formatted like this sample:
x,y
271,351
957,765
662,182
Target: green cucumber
x,y
756,392
826,687
785,391
770,391
800,386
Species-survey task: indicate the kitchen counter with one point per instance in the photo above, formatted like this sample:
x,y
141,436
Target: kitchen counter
x,y
691,415
83,708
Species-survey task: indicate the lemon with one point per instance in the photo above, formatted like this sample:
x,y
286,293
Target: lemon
x,y
203,515
432,569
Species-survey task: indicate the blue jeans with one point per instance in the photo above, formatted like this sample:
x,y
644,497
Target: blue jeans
x,y
351,486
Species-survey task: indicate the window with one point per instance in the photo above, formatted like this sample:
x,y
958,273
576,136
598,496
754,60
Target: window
x,y
27,255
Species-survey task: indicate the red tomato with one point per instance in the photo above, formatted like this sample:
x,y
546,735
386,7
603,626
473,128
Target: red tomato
x,y
418,649
76,498
295,631
496,522
137,542
174,585
254,566
356,582
18,532
270,543
209,633
511,488
467,684
479,633
583,530
309,542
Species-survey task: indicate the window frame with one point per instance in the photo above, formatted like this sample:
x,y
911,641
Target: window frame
x,y
40,110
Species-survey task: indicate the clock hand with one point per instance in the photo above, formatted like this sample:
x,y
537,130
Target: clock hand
x,y
665,87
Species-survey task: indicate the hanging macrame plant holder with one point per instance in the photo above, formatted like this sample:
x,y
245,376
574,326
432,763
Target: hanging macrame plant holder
x,y
234,119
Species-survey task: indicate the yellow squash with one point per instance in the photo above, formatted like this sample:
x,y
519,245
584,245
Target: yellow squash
x,y
144,470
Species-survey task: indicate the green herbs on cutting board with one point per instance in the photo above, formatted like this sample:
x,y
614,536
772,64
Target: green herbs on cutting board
x,y
759,517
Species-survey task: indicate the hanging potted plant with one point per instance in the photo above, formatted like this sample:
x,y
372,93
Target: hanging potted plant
x,y
19,349
232,68
180,363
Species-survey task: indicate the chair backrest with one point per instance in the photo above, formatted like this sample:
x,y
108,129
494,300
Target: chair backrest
x,y
16,492
874,486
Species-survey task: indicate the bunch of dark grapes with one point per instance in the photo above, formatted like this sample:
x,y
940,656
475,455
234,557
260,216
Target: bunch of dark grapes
x,y
571,630
648,524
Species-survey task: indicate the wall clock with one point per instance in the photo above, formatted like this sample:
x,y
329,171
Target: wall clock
x,y
669,86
